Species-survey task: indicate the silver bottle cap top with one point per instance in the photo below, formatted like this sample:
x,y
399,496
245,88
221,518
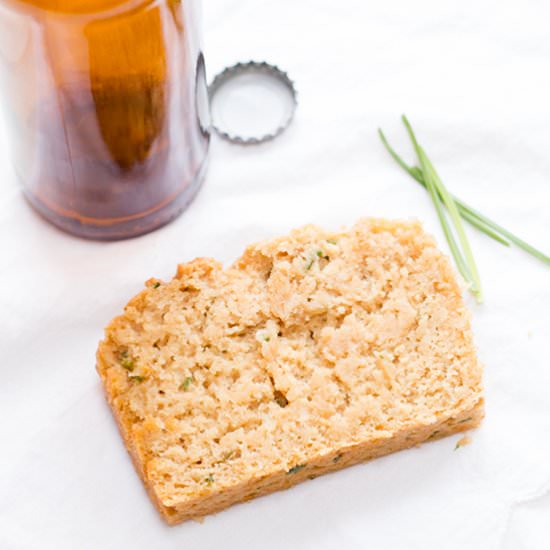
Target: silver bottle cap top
x,y
251,102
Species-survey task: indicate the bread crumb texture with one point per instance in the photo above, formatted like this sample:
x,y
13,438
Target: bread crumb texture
x,y
312,352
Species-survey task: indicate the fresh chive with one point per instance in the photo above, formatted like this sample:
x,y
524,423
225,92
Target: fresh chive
x,y
263,335
478,221
505,233
471,215
137,378
126,361
227,455
467,213
186,383
414,171
209,480
460,262
479,224
296,469
156,285
440,196
457,222
439,189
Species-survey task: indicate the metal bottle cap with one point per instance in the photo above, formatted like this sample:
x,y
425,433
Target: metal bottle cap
x,y
251,102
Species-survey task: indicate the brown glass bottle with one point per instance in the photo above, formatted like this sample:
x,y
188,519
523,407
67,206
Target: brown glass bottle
x,y
108,110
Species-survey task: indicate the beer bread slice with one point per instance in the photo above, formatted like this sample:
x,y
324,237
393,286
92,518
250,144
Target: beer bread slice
x,y
312,352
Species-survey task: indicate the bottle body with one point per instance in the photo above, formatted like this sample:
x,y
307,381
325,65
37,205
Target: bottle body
x,y
108,110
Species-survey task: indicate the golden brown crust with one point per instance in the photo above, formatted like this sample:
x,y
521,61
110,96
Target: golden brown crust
x,y
322,465
280,480
419,387
124,431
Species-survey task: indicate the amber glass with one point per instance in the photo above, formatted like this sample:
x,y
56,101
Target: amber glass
x,y
107,110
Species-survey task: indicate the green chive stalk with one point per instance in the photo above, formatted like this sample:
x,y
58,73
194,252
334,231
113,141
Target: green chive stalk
x,y
427,176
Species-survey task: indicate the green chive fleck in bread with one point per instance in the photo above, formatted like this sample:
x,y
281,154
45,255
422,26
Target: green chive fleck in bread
x,y
312,352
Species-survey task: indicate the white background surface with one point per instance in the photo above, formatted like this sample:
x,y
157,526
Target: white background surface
x,y
474,78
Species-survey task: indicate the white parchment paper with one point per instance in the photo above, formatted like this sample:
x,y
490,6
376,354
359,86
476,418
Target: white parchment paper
x,y
474,78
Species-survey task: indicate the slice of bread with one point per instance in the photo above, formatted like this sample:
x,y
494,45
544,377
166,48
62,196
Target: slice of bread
x,y
312,352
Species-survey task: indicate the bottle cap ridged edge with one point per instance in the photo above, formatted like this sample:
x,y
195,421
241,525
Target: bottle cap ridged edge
x,y
253,66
